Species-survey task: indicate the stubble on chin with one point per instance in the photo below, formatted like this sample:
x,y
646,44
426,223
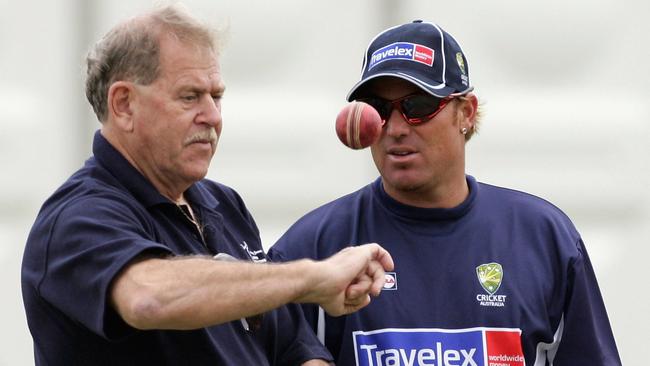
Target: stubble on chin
x,y
406,187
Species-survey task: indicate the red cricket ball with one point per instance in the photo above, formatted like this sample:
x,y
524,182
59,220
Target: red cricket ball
x,y
358,125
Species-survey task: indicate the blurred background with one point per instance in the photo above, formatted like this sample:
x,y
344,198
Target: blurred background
x,y
564,87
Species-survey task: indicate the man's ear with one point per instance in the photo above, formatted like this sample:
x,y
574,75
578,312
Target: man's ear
x,y
120,109
469,109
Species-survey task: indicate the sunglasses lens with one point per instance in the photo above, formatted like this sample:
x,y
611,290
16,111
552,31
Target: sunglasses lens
x,y
420,106
417,108
382,106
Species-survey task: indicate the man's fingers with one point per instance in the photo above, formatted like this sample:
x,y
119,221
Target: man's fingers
x,y
382,256
361,287
346,306
356,304
376,272
372,279
362,268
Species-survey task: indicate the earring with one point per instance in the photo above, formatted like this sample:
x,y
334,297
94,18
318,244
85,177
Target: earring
x,y
463,130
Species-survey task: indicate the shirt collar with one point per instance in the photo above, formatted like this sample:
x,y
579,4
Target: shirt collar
x,y
420,213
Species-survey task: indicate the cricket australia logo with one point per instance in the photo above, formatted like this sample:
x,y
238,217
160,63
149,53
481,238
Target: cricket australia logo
x,y
490,276
461,65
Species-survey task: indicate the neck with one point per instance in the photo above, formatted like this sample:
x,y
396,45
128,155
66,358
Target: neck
x,y
182,201
172,190
438,195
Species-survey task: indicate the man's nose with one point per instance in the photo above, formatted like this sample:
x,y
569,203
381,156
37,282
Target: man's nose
x,y
210,111
396,125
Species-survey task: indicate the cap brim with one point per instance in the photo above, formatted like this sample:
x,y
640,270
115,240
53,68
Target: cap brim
x,y
440,91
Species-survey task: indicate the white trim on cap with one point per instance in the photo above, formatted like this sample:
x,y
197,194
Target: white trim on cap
x,y
444,54
418,81
424,86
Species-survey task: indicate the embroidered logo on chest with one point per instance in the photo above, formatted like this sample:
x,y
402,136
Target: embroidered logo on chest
x,y
490,276
256,256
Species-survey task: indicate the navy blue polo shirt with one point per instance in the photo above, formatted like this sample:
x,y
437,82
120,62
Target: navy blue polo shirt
x,y
99,220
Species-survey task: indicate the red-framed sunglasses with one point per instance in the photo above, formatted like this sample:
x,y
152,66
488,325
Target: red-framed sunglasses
x,y
415,108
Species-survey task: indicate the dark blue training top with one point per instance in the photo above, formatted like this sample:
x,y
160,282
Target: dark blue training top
x,y
501,278
103,217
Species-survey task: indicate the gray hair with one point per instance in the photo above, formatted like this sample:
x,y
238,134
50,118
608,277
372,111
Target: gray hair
x,y
130,51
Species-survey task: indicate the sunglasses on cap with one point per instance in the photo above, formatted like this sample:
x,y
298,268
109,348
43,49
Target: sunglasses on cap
x,y
415,108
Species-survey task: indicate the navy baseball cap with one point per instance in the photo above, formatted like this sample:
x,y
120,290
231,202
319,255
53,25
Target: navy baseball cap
x,y
419,52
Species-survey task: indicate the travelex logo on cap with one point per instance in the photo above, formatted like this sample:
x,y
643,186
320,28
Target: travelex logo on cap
x,y
402,51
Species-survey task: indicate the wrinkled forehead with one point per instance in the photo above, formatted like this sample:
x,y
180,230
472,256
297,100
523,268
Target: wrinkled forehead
x,y
182,60
174,50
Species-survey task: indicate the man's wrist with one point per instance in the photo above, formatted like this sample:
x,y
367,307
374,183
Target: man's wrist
x,y
305,274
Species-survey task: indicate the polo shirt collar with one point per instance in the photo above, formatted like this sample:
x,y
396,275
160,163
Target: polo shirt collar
x,y
198,194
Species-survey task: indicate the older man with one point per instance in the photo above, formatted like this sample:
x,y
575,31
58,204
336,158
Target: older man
x,y
120,265
484,275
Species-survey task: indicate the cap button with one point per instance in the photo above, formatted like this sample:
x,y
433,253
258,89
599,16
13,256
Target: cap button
x,y
417,21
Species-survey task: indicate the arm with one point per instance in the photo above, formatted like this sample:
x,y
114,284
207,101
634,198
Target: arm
x,y
194,292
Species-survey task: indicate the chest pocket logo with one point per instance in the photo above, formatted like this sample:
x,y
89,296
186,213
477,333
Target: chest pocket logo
x,y
256,256
391,281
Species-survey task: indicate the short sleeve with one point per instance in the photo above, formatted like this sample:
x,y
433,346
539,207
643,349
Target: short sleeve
x,y
91,240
